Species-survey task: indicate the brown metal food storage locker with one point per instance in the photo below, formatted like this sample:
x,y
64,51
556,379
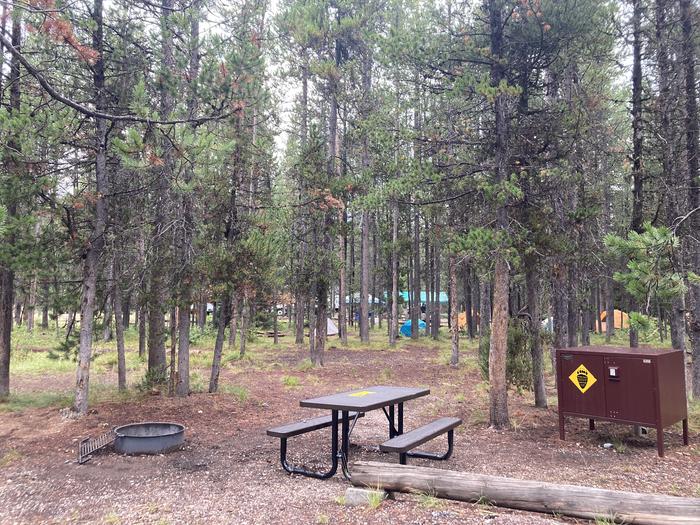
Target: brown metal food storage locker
x,y
636,386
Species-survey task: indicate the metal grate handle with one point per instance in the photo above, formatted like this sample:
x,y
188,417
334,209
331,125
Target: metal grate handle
x,y
89,445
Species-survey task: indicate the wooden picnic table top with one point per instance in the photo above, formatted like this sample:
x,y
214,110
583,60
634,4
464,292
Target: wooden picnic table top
x,y
365,399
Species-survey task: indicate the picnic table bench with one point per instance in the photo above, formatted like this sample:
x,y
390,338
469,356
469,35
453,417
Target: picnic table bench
x,y
350,406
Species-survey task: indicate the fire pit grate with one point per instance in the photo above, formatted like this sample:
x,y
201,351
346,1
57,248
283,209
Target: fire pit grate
x,y
136,438
90,445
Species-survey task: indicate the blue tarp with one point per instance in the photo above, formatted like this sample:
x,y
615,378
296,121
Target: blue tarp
x,y
406,328
444,299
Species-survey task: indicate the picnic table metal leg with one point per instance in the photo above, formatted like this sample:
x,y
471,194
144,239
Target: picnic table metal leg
x,y
390,418
392,429
345,444
334,454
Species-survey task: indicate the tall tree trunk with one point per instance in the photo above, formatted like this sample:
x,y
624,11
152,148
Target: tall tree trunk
x,y
437,310
586,319
454,310
126,312
184,241
484,308
93,248
415,306
532,282
498,348
245,325
691,140
342,281
31,304
44,308
560,312
157,291
108,302
637,136
394,323
233,324
364,278
572,310
219,344
119,326
7,275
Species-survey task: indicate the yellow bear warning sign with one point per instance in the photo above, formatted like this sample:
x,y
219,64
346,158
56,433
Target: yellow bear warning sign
x,y
582,378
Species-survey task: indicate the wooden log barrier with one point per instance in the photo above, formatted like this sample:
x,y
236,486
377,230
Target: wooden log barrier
x,y
538,496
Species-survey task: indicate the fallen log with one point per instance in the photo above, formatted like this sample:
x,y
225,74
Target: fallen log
x,y
538,496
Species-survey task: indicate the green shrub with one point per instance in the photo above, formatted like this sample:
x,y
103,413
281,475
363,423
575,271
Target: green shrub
x,y
153,378
518,360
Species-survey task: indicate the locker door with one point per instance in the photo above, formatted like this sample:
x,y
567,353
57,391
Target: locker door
x,y
631,392
582,384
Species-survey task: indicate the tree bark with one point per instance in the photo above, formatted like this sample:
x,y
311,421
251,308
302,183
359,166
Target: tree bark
x,y
7,275
364,278
437,310
691,141
157,291
394,323
219,345
637,137
245,323
93,249
454,310
498,386
119,327
498,391
549,498
532,282
415,306
184,241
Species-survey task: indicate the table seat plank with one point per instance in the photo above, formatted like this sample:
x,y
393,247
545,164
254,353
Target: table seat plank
x,y
304,426
420,435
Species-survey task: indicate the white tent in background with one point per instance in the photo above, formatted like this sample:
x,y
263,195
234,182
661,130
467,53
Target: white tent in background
x,y
331,329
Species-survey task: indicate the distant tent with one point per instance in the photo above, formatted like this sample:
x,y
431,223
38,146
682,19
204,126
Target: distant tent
x,y
622,320
548,325
444,298
406,328
331,329
462,319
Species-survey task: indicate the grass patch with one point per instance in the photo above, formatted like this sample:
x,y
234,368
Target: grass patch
x,y
24,401
607,520
291,381
694,416
241,393
9,457
385,375
619,446
198,385
429,501
478,417
375,498
305,365
111,518
340,500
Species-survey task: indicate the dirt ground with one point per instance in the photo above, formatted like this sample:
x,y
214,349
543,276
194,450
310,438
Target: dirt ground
x,y
229,472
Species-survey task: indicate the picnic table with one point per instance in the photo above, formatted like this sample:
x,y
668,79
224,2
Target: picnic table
x,y
346,408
